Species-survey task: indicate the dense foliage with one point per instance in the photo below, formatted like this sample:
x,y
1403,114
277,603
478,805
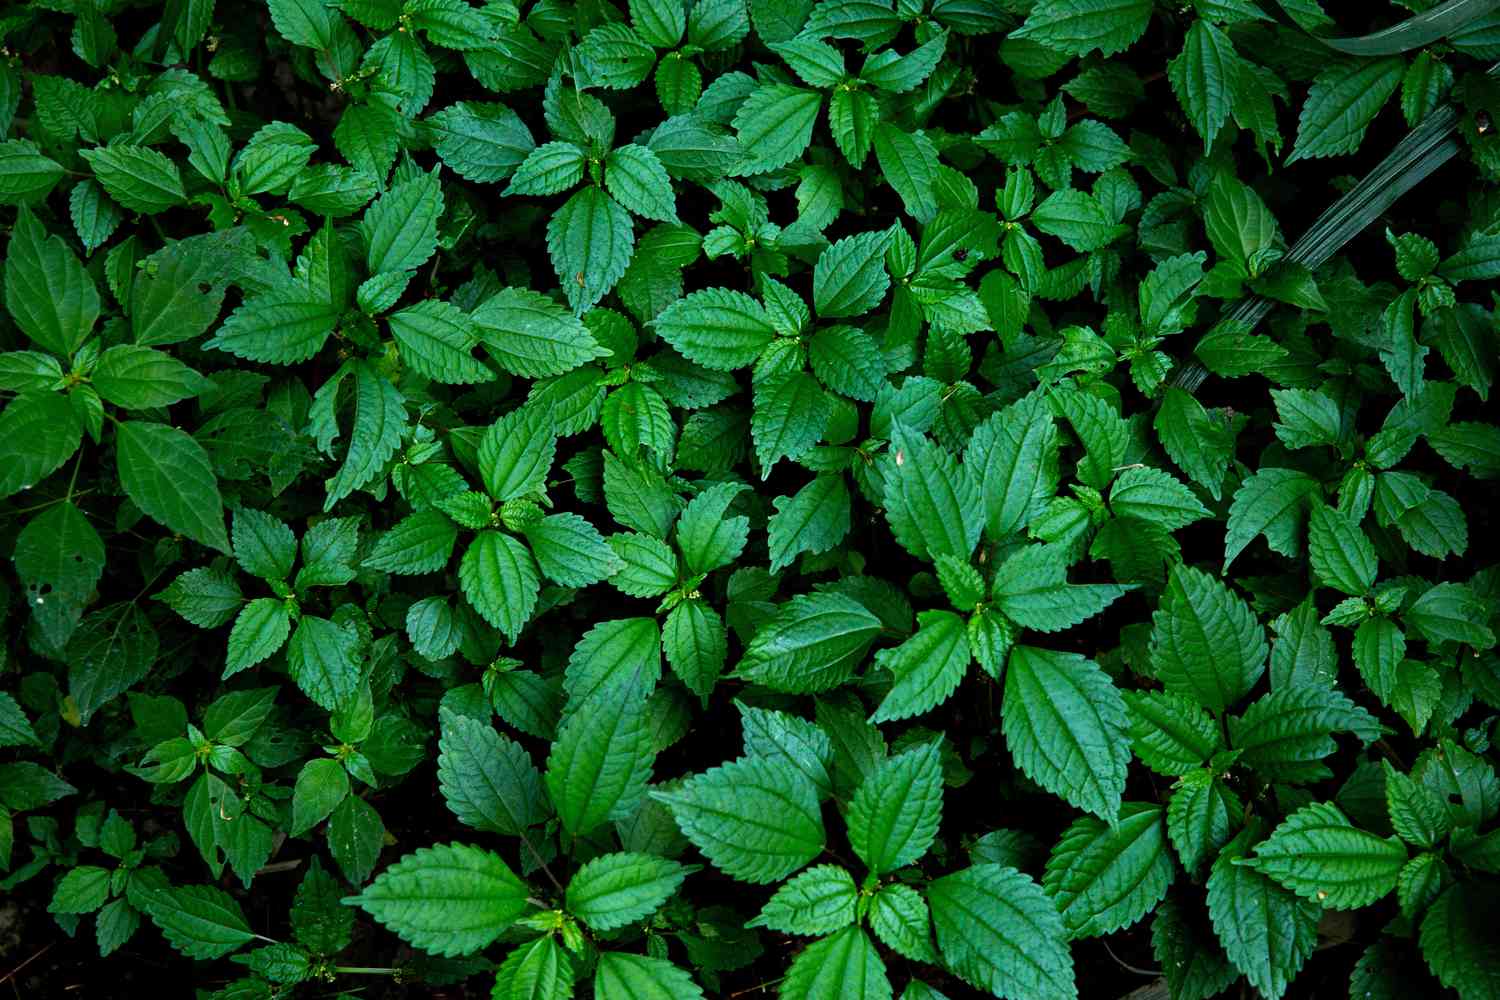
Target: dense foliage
x,y
850,498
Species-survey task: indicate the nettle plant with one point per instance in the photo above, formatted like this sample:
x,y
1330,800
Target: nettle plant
x,y
663,499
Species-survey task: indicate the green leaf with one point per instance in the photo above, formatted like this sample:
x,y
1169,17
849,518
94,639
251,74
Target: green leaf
x,y
452,899
39,431
168,475
1418,813
26,785
813,643
499,577
321,785
1171,733
601,760
755,818
791,414
1103,432
707,537
717,328
435,338
845,965
613,890
1457,938
548,169
1451,612
419,543
622,976
774,125
852,117
1105,877
1191,960
1013,455
260,629
895,812
323,658
400,227
25,174
901,74
1267,932
263,545
1202,817
528,334
849,278
696,645
647,566
819,901
1153,495
82,890
899,918
538,970
1202,76
1205,641
998,931
635,177
1077,27
304,22
1239,225
1285,733
613,656
1307,418
1031,588
138,378
59,559
614,57
658,22
779,736
1077,219
355,836
1341,554
590,240
487,779
814,519
932,502
480,141
1199,444
15,728
928,667
49,294
1344,99
234,718
570,550
1272,502
909,163
848,361
141,179
516,454
1067,729
282,326
199,921
1318,854
379,419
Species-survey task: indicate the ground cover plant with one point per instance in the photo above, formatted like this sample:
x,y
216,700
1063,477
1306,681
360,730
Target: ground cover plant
x,y
817,498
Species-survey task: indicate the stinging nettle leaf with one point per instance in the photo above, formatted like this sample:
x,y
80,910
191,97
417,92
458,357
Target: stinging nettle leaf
x,y
452,899
1318,854
1205,641
755,818
997,930
1105,877
895,812
1067,728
